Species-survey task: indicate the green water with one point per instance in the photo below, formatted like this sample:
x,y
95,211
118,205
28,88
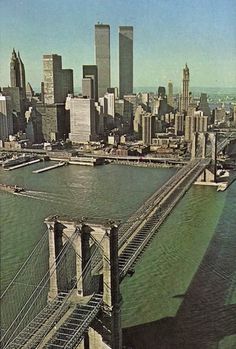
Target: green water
x,y
171,261
185,250
104,192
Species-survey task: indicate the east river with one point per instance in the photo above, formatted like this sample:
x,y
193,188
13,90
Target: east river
x,y
183,292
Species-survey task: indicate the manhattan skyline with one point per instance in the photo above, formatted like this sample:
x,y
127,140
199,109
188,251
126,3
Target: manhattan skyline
x,y
167,34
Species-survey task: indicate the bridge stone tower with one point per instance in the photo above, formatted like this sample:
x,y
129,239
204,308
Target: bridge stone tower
x,y
199,150
89,273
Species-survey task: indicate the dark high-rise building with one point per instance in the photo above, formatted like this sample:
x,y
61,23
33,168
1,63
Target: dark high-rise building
x,y
185,92
17,91
102,54
125,60
18,106
17,72
58,82
91,71
203,105
55,121
67,83
170,99
14,70
161,91
22,74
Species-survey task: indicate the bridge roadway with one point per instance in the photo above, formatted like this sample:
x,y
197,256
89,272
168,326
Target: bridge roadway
x,y
61,324
138,230
137,233
73,319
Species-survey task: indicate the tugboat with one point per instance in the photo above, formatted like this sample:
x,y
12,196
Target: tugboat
x,y
18,189
11,188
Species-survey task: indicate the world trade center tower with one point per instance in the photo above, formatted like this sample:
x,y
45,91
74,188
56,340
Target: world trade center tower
x,y
125,60
102,54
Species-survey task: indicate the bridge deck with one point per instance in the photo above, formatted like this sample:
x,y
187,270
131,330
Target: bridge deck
x,y
71,331
35,330
134,239
42,332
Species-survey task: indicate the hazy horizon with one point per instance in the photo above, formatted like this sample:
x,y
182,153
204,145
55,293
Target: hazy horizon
x,y
195,89
167,34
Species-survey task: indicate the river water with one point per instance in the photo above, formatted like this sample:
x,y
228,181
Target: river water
x,y
184,283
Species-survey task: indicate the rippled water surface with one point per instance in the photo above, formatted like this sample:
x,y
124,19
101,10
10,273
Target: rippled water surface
x,y
184,282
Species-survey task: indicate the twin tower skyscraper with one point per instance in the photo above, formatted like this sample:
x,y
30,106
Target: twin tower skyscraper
x,y
103,58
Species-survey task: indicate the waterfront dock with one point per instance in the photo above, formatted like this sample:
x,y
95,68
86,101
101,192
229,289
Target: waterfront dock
x,y
224,185
145,164
22,165
44,169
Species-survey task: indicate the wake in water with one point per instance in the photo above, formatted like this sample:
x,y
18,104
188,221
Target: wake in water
x,y
39,195
45,196
29,195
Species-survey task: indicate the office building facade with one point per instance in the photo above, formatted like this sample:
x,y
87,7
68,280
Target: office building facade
x,y
55,121
147,128
58,82
170,98
91,72
125,60
82,119
203,105
102,54
6,120
195,123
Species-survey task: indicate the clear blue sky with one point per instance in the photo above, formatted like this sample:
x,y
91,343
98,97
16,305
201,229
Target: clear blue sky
x,y
167,33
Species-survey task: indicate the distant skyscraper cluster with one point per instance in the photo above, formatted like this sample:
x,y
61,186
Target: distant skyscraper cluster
x,y
101,111
108,110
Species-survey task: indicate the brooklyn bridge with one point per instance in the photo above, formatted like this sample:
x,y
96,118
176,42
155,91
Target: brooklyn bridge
x,y
76,303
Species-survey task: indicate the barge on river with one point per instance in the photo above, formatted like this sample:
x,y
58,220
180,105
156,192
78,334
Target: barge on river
x,y
17,160
86,161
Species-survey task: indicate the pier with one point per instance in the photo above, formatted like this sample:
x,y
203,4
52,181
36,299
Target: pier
x,y
22,165
44,169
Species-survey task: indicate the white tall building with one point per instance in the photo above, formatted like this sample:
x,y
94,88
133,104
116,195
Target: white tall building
x,y
82,119
110,104
6,120
138,118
